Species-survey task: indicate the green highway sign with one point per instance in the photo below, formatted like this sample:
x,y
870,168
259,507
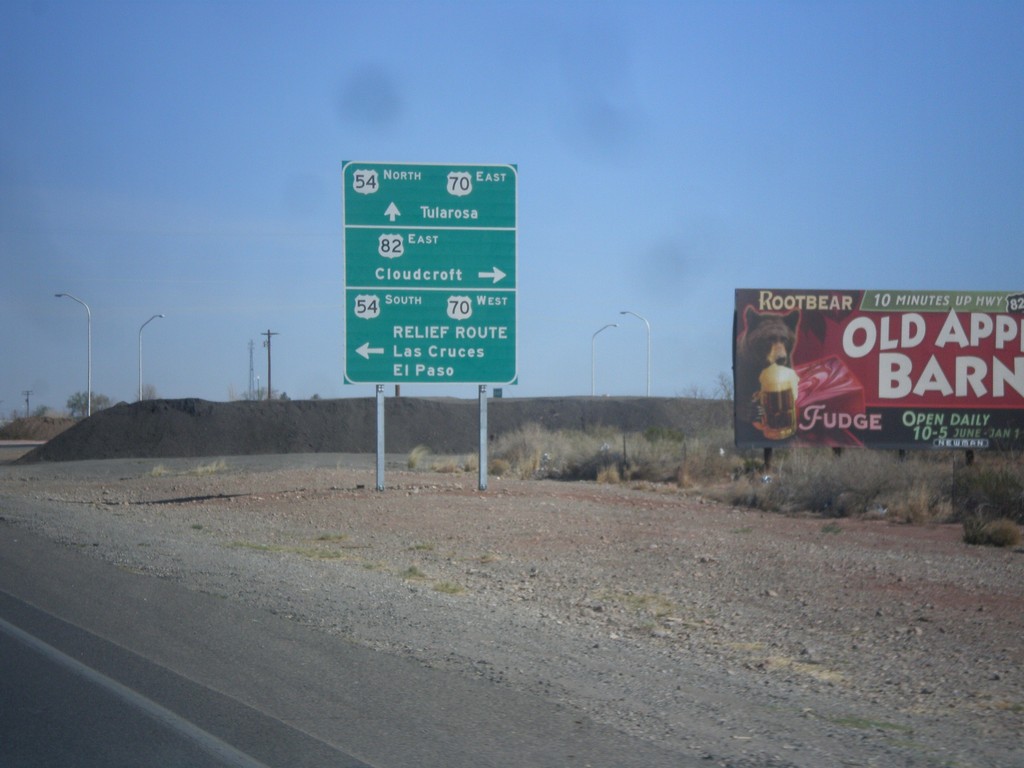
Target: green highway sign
x,y
430,256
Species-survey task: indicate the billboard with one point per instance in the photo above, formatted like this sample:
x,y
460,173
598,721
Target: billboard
x,y
880,369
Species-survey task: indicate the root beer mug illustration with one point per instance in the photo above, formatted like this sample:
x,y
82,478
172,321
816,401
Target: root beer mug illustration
x,y
777,400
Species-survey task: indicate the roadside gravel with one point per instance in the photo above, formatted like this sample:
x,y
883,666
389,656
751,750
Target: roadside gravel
x,y
733,636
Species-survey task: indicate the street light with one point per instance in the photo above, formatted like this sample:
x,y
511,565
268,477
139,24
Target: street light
x,y
592,340
88,387
154,317
634,314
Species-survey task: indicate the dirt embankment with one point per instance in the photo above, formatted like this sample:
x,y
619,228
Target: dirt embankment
x,y
193,427
36,428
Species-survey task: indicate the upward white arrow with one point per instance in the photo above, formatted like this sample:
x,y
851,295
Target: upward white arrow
x,y
495,274
392,212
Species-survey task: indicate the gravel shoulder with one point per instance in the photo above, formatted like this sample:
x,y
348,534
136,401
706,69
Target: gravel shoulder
x,y
740,637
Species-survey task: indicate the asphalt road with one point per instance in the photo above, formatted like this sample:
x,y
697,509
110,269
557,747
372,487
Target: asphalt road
x,y
59,712
103,667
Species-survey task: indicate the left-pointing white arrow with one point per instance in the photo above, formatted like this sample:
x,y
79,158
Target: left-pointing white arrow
x,y
392,212
495,274
366,350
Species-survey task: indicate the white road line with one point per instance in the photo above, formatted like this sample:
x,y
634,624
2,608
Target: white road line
x,y
206,741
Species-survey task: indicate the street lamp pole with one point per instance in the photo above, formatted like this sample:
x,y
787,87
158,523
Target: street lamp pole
x,y
154,317
88,387
593,339
634,314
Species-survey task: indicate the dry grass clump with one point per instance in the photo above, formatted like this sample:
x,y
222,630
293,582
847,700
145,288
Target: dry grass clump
x,y
993,487
449,588
521,451
920,501
498,468
919,488
417,456
709,460
413,573
213,468
534,452
1002,532
579,455
853,483
201,470
420,457
658,454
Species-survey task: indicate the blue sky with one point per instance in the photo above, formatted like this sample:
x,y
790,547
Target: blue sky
x,y
185,158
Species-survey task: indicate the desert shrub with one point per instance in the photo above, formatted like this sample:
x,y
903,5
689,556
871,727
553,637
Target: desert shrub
x,y
852,483
835,485
708,460
663,435
522,450
993,490
534,452
918,490
973,529
1001,532
924,487
592,455
756,491
654,456
919,500
658,454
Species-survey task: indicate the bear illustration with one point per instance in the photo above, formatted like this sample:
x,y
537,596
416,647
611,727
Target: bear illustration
x,y
768,339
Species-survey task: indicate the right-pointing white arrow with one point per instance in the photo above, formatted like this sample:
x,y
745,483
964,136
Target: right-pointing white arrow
x,y
495,274
366,350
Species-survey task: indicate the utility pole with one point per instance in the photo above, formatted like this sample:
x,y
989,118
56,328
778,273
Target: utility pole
x,y
266,344
252,373
27,393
